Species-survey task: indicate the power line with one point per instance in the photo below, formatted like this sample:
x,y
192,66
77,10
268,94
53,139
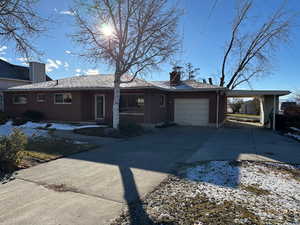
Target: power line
x,y
209,15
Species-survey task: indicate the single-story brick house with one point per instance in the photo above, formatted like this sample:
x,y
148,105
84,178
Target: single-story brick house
x,y
90,99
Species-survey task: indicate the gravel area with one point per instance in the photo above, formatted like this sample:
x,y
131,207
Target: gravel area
x,y
222,192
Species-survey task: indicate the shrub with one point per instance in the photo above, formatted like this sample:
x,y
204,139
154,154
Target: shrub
x,y
283,122
11,148
33,115
19,121
3,118
130,129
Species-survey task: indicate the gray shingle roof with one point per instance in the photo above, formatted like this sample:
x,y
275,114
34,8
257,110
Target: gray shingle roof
x,y
184,85
10,71
107,82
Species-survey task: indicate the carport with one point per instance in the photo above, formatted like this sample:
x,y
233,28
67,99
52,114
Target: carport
x,y
269,102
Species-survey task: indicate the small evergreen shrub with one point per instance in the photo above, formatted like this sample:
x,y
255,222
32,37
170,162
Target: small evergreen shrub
x,y
11,148
3,118
33,115
130,129
19,121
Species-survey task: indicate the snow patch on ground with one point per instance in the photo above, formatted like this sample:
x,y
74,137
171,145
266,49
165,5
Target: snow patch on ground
x,y
223,181
295,129
31,128
62,126
296,136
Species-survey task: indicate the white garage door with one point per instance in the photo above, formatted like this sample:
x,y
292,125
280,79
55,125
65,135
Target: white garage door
x,y
192,112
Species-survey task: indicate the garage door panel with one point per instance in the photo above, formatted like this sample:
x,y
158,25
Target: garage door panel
x,y
191,111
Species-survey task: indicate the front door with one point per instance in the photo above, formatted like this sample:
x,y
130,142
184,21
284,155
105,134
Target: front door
x,y
99,107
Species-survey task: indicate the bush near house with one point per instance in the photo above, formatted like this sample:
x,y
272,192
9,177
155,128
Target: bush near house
x,y
284,122
3,118
33,115
126,129
11,148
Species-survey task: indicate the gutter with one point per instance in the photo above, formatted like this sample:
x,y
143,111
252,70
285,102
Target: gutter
x,y
110,88
19,80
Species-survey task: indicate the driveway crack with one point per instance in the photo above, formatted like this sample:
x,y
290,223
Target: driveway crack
x,y
66,188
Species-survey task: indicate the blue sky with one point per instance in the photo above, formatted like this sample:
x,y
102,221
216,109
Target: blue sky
x,y
204,29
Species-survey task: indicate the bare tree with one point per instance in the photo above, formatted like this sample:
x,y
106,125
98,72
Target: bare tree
x,y
191,71
236,104
132,36
20,23
248,53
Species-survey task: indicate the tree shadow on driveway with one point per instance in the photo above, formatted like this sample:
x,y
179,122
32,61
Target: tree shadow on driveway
x,y
125,171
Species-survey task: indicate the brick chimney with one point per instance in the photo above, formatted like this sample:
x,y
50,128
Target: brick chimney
x,y
37,72
175,76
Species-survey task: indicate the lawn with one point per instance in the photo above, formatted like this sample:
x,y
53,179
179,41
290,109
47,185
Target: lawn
x,y
244,115
42,149
222,193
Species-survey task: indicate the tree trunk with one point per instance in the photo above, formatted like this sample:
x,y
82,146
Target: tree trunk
x,y
116,104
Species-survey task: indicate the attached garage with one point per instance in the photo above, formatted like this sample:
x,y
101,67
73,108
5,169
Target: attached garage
x,y
191,111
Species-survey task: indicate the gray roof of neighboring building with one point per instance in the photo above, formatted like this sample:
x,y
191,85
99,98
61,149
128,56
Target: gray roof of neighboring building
x,y
10,71
86,82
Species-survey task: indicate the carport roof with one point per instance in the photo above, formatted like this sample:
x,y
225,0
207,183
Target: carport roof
x,y
256,93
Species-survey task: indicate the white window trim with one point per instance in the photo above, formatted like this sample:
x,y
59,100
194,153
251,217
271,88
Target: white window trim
x,y
16,103
95,103
37,98
62,103
164,105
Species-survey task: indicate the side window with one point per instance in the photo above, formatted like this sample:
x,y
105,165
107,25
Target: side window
x,y
162,100
19,99
41,98
64,98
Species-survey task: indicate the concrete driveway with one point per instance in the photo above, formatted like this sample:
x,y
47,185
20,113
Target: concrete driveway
x,y
99,183
246,143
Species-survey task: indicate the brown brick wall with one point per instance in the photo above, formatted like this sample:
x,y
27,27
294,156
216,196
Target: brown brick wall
x,y
83,106
59,112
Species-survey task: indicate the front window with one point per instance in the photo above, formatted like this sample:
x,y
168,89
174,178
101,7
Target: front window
x,y
20,99
41,97
64,98
132,103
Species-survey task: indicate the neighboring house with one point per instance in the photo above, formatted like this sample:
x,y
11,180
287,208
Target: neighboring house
x,y
285,105
249,107
90,98
14,75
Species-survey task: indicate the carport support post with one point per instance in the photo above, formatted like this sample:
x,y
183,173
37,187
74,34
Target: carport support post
x,y
217,116
274,112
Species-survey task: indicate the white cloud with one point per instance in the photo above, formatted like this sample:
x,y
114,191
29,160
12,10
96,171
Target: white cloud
x,y
68,52
2,50
78,70
66,65
4,59
67,12
91,72
58,62
52,64
23,60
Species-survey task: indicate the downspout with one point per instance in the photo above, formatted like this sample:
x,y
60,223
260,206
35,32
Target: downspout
x,y
218,102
